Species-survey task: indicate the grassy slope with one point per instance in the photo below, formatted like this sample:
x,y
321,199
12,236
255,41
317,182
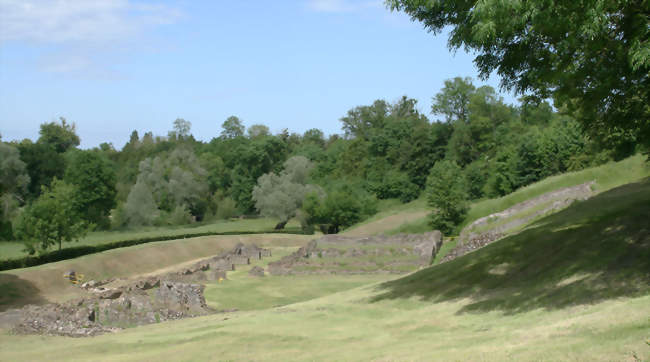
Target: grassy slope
x,y
391,215
10,250
45,283
607,176
576,286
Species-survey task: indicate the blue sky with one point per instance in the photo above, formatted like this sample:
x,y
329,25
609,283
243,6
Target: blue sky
x,y
117,65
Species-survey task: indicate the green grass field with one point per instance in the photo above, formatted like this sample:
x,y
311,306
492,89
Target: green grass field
x,y
14,249
244,292
573,286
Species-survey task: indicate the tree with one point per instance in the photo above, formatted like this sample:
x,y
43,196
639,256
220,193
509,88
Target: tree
x,y
280,196
453,100
43,164
52,219
13,187
60,136
342,207
176,179
140,208
447,195
592,57
232,128
181,129
258,130
94,177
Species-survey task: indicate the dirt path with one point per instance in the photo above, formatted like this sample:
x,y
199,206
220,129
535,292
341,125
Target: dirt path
x,y
386,223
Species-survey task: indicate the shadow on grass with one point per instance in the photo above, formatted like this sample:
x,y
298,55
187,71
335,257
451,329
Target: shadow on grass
x,y
16,292
593,251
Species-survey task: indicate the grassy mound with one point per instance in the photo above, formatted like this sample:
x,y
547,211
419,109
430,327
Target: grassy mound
x,y
576,286
45,282
606,177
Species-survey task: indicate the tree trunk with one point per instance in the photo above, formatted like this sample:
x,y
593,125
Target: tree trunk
x,y
281,225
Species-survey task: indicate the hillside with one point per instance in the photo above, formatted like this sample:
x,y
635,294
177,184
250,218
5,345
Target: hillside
x,y
550,292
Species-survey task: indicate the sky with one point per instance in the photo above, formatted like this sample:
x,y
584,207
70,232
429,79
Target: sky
x,y
114,66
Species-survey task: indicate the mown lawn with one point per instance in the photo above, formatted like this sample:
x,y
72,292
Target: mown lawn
x,y
9,250
575,286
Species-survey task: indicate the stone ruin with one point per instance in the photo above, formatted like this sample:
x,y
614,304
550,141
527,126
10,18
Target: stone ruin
x,y
502,222
335,254
256,271
149,300
113,309
491,228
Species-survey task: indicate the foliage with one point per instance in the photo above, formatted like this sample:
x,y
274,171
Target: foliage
x,y
280,196
226,208
94,178
61,137
232,128
13,187
258,130
447,194
593,57
181,129
51,219
342,207
140,208
43,165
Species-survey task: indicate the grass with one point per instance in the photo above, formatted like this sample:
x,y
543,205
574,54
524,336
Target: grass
x,y
44,283
606,177
9,250
244,292
390,216
448,245
574,286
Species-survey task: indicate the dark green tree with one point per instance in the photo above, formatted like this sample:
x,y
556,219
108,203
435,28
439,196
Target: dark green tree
x,y
592,57
61,136
52,219
447,195
93,175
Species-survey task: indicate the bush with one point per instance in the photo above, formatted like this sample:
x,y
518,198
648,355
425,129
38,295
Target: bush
x,y
226,208
447,194
180,216
342,207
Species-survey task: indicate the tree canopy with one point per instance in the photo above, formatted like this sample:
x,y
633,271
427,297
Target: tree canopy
x,y
592,57
52,219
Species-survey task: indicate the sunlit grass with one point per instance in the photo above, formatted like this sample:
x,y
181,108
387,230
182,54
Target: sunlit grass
x,y
9,250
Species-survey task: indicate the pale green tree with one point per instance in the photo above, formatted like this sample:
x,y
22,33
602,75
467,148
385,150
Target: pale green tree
x,y
281,195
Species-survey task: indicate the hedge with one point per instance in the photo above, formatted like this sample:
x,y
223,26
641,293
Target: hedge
x,y
77,251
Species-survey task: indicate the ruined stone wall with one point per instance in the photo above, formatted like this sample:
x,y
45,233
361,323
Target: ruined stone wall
x,y
336,254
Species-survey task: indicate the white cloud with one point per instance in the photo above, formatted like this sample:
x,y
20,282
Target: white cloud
x,y
64,21
82,37
342,6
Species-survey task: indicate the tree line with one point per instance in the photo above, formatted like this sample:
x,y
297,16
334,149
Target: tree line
x,y
477,146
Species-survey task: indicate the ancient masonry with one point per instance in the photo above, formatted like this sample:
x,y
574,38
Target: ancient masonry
x,y
493,227
334,254
151,300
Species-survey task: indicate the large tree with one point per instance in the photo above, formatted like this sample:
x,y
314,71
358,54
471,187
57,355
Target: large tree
x,y
61,136
52,219
94,176
13,186
591,56
280,196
